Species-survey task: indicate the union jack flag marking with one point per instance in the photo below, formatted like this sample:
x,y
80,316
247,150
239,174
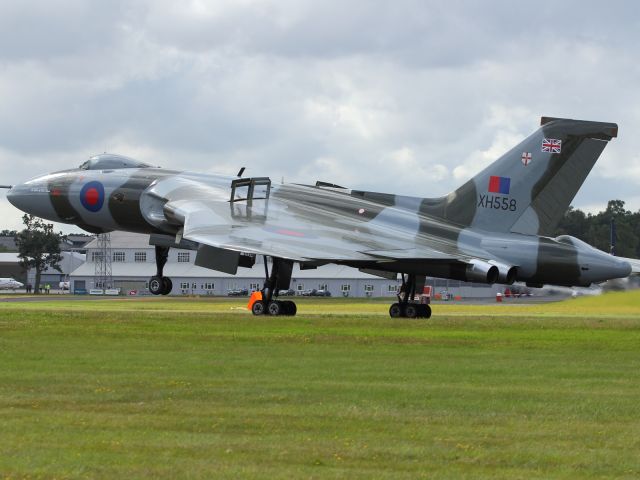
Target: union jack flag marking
x,y
526,158
551,145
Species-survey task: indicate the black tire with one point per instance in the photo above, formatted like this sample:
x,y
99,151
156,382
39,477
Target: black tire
x,y
427,311
258,307
395,311
289,308
284,307
275,308
167,285
411,311
156,285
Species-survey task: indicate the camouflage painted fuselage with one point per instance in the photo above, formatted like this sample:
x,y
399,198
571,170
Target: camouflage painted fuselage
x,y
314,225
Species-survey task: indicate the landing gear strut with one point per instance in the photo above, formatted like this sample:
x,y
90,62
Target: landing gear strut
x,y
159,284
406,306
270,305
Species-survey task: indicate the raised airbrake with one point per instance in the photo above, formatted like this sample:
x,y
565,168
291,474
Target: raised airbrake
x,y
494,228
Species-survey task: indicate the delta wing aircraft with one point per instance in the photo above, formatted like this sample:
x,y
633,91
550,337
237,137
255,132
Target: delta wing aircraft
x,y
494,228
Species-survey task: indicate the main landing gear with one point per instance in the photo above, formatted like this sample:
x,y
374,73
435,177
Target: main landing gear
x,y
406,306
279,277
159,284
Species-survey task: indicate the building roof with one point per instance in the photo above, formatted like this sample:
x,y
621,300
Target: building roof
x,y
79,237
9,257
123,240
75,241
67,242
70,261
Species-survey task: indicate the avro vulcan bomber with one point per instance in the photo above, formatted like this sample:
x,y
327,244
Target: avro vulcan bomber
x,y
493,229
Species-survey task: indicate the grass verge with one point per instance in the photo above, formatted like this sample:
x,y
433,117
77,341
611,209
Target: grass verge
x,y
201,389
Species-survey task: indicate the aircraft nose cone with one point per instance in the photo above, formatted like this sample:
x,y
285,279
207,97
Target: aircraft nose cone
x,y
11,196
16,196
30,198
33,197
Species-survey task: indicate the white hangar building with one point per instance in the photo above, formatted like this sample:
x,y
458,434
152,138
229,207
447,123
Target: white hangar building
x,y
133,264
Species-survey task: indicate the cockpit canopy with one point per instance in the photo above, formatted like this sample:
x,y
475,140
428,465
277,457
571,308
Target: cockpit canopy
x,y
110,161
576,242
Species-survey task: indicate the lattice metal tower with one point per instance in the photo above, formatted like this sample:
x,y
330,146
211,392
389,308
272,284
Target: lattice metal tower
x,y
103,277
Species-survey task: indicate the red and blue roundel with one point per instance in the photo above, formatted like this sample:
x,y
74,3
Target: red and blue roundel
x,y
92,196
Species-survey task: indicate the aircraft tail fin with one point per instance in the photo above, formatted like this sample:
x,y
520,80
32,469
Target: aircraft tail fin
x,y
530,187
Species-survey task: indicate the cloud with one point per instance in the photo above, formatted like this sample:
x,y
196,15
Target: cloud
x,y
409,96
31,30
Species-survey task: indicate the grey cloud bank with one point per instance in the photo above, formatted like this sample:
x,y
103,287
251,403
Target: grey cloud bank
x,y
410,97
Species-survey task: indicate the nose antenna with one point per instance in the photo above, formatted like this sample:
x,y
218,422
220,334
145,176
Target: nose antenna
x,y
6,186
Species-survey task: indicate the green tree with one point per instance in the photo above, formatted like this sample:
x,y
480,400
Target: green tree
x,y
627,241
616,208
574,223
635,223
596,229
38,247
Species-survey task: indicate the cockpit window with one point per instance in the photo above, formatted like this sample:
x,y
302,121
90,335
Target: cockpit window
x,y
108,161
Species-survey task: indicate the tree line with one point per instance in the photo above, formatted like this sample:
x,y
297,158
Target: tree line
x,y
596,229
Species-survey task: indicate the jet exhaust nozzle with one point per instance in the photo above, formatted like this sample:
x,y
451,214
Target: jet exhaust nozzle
x,y
506,273
482,272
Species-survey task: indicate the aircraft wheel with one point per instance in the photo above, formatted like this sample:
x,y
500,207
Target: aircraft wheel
x,y
258,307
395,311
289,308
167,285
411,311
275,308
156,285
426,313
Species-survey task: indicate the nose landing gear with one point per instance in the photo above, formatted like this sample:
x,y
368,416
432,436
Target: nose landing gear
x,y
159,284
406,307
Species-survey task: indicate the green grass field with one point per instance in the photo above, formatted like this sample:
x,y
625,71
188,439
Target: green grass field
x,y
199,388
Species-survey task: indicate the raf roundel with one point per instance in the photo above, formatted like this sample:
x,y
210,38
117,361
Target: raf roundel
x,y
92,196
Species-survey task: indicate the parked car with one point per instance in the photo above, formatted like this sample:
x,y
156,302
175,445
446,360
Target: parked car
x,y
315,293
238,292
286,293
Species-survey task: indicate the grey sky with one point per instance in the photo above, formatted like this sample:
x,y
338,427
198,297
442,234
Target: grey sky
x,y
403,96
